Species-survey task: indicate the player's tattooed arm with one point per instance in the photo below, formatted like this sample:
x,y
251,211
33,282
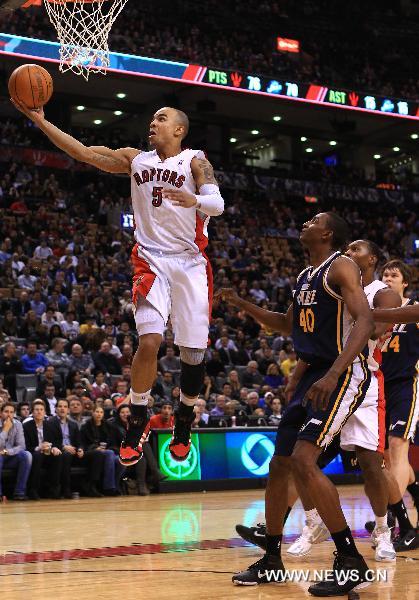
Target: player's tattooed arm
x,y
115,161
202,172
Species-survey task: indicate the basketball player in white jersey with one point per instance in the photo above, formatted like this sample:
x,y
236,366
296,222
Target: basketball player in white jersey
x,y
172,276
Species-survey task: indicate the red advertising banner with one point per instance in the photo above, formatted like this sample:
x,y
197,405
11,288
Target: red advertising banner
x,y
287,45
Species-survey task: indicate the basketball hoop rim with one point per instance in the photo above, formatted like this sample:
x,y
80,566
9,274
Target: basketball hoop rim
x,y
74,1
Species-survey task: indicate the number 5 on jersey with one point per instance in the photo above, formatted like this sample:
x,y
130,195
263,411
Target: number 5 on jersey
x,y
157,196
307,320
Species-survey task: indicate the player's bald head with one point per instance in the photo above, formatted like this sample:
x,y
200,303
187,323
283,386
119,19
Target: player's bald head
x,y
178,117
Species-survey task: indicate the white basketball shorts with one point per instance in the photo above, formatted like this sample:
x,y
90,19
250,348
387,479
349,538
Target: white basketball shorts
x,y
366,426
179,287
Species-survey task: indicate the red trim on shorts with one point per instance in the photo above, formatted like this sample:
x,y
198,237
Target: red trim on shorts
x,y
143,277
381,412
200,240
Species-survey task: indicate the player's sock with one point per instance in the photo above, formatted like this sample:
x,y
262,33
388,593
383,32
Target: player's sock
x,y
139,403
400,512
413,490
273,544
287,514
344,542
381,521
186,406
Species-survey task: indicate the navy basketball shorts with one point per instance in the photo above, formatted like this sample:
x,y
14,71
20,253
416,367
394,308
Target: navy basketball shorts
x,y
402,407
301,422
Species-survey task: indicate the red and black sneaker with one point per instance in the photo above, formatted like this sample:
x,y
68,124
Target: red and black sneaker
x,y
131,449
180,444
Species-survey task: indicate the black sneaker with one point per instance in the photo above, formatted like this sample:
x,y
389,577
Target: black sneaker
x,y
391,521
408,541
131,449
349,573
180,444
253,535
269,569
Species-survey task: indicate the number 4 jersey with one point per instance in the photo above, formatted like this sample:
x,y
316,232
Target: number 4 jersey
x,y
321,321
401,352
161,227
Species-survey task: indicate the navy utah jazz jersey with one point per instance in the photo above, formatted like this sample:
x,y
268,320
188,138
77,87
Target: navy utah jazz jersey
x,y
401,352
321,322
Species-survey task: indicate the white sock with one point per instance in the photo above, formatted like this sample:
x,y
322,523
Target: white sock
x,y
141,399
381,521
187,401
313,516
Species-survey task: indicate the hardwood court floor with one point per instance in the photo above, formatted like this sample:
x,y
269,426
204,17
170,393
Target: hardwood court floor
x,y
163,547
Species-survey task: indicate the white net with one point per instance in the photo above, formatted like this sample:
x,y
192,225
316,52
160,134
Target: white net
x,y
83,28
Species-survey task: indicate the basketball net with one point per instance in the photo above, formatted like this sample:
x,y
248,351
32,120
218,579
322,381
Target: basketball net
x,y
83,28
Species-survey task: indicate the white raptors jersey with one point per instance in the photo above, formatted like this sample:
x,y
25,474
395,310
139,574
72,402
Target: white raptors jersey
x,y
374,356
160,227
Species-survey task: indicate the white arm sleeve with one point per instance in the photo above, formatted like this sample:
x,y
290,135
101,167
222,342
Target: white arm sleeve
x,y
209,200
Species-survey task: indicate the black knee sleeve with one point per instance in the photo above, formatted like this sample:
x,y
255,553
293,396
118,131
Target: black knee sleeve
x,y
191,378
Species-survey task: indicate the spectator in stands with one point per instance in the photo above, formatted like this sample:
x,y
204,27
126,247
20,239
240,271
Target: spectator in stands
x,y
121,388
218,410
167,384
214,365
26,280
276,412
234,382
257,293
37,304
202,413
80,361
105,361
4,392
170,362
99,387
96,436
68,440
70,327
289,364
33,361
22,306
39,436
251,377
49,377
208,388
49,321
56,356
10,366
252,402
273,377
9,326
23,410
175,395
76,411
32,328
126,357
266,361
50,399
43,251
115,351
165,419
13,453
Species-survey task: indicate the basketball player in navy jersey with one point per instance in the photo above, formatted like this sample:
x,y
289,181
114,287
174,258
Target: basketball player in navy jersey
x,y
330,322
400,367
364,431
172,275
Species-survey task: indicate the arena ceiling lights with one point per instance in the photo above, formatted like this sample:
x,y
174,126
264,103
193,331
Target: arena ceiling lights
x,y
238,81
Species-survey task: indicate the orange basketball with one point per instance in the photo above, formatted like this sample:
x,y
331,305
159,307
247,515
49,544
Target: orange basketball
x,y
31,85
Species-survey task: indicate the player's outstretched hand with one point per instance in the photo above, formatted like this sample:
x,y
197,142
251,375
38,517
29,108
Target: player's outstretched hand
x,y
34,114
320,392
180,198
227,295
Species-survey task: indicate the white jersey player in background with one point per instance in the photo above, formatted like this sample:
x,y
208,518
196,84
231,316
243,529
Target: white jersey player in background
x,y
172,276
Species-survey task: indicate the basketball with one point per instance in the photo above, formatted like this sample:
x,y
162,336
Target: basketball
x,y
31,85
